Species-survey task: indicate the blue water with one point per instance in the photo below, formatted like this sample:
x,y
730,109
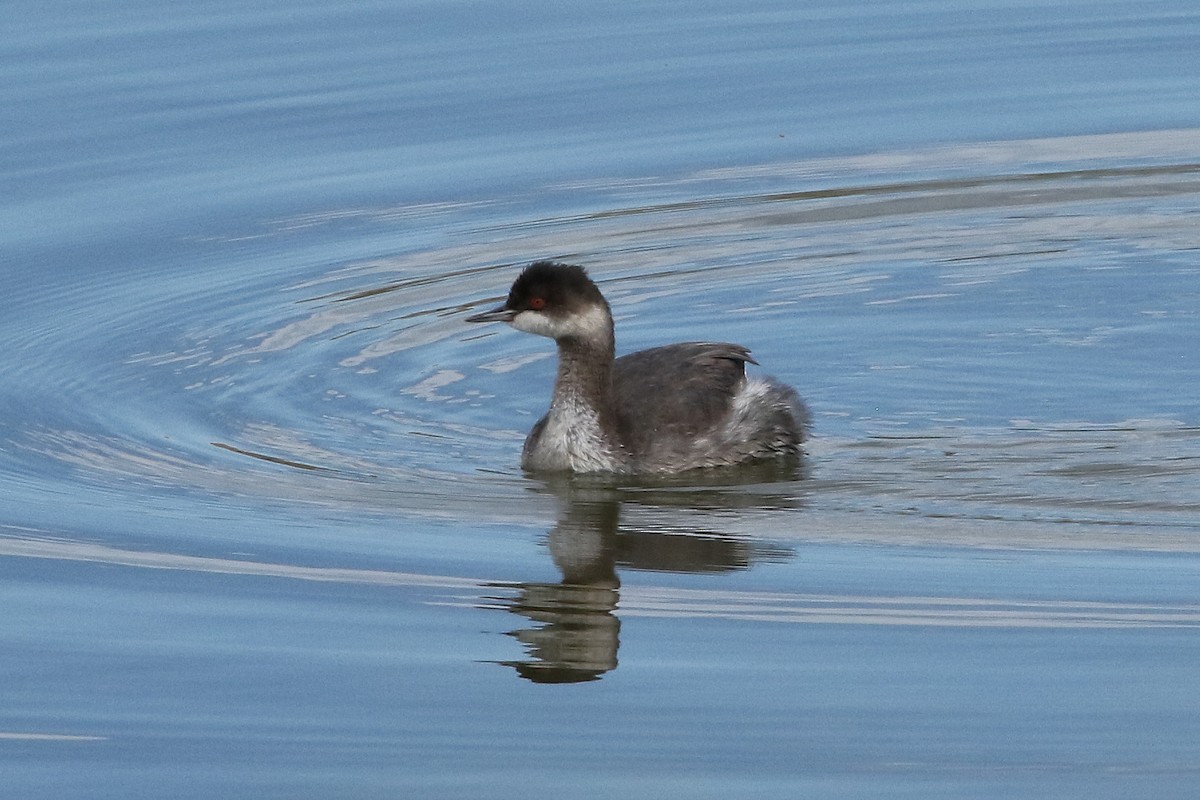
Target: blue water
x,y
262,528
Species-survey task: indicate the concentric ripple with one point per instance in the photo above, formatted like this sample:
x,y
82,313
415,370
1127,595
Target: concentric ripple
x,y
980,347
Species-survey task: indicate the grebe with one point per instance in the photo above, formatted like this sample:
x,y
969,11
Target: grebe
x,y
663,410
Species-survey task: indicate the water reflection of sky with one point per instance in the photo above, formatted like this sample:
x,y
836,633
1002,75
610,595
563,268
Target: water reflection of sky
x,y
261,525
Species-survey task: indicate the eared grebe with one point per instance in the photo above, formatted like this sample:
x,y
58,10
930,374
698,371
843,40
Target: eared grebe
x,y
667,409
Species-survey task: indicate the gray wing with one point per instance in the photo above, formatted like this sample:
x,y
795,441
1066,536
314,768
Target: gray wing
x,y
676,391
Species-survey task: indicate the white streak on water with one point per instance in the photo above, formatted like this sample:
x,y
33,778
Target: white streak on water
x,y
662,602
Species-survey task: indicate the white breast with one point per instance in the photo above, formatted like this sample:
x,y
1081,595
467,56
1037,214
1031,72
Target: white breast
x,y
572,440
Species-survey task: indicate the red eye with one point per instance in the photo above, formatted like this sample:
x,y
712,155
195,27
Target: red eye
x,y
537,303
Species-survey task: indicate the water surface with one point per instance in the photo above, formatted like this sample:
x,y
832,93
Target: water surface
x,y
262,528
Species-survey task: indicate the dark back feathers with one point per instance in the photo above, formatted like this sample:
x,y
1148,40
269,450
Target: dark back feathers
x,y
678,389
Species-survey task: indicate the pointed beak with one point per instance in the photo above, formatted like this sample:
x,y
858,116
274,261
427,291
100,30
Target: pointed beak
x,y
498,314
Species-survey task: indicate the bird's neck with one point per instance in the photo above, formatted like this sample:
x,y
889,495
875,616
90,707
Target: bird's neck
x,y
584,380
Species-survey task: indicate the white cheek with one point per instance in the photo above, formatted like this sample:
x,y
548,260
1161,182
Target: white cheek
x,y
534,322
592,324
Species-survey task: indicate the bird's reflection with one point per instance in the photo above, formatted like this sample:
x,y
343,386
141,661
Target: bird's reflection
x,y
576,633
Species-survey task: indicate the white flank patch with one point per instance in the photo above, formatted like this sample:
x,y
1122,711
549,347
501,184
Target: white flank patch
x,y
754,393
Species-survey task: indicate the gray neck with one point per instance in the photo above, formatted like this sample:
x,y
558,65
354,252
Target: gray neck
x,y
585,376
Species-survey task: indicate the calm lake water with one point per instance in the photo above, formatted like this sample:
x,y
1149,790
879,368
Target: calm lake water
x,y
263,532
